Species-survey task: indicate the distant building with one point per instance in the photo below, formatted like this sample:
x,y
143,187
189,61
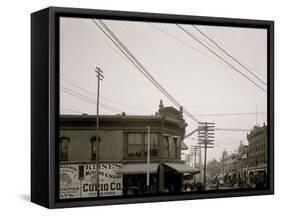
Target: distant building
x,y
123,144
213,168
249,165
229,168
257,156
242,164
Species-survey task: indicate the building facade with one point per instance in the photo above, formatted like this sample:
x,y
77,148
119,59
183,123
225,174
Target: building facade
x,y
257,156
123,141
248,166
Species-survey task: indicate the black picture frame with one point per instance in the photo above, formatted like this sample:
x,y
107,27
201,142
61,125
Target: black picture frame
x,y
45,103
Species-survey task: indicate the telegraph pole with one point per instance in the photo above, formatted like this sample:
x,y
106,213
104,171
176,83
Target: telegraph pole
x,y
195,158
100,78
195,150
206,140
148,156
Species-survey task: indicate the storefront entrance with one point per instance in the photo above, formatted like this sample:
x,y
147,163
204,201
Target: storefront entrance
x,y
172,181
135,184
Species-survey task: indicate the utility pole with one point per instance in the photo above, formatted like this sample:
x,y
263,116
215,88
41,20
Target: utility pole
x,y
256,115
148,156
100,78
195,157
200,165
206,140
195,150
223,164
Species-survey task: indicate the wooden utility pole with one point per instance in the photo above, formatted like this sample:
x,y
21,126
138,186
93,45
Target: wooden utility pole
x,y
148,156
206,140
100,78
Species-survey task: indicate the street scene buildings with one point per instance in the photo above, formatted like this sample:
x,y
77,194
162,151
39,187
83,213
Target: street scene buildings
x,y
247,168
157,108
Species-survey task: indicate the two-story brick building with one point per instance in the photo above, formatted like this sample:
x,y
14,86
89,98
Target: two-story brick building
x,y
123,152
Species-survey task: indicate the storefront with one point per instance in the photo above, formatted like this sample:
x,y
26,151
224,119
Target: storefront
x,y
135,177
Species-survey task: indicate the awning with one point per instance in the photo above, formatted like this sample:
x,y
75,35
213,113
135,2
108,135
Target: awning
x,y
138,168
183,146
182,168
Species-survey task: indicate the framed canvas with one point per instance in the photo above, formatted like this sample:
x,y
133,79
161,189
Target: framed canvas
x,y
139,107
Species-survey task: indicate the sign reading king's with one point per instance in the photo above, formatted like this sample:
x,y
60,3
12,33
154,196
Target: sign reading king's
x,y
80,180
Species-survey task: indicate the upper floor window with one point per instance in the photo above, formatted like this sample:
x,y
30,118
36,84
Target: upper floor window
x,y
94,147
134,145
64,147
153,144
165,147
170,146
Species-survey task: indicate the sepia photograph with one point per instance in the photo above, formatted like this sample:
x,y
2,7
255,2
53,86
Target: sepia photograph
x,y
155,109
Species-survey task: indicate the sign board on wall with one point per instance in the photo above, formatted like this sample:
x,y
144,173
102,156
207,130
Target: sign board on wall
x,y
69,181
75,184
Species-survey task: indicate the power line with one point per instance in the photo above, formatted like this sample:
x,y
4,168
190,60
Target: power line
x,y
130,58
233,129
139,66
105,98
234,68
71,110
184,43
230,114
147,74
228,54
87,99
193,48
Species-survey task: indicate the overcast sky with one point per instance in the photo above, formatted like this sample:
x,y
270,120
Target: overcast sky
x,y
194,76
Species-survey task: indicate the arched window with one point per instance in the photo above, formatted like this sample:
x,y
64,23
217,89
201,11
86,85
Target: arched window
x,y
64,147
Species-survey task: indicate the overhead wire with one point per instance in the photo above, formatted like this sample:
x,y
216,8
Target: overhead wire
x,y
228,54
87,99
139,66
105,98
226,62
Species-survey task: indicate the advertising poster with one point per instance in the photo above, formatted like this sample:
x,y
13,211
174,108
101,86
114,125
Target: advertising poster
x,y
69,181
110,183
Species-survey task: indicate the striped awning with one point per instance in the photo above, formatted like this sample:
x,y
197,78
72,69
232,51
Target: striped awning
x,y
138,168
182,168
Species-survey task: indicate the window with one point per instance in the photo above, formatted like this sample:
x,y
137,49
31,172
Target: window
x,y
64,147
172,148
165,147
153,144
134,145
94,147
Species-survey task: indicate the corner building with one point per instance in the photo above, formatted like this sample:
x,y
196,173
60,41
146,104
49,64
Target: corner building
x,y
123,144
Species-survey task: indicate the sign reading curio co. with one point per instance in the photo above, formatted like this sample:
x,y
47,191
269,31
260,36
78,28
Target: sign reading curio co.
x,y
81,180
